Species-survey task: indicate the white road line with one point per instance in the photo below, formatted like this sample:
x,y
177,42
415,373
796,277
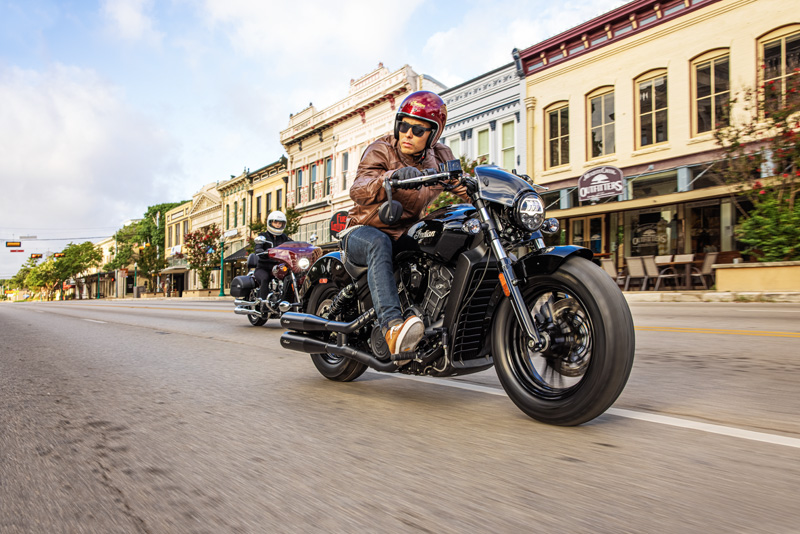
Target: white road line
x,y
93,321
630,414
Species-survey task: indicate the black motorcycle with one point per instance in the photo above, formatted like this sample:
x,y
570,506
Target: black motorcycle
x,y
289,264
555,326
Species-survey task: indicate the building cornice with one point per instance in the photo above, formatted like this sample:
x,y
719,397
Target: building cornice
x,y
366,93
613,27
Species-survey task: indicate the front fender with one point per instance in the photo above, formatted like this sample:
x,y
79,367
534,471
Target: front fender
x,y
327,269
547,260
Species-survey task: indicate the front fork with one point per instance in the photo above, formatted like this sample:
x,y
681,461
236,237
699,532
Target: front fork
x,y
536,341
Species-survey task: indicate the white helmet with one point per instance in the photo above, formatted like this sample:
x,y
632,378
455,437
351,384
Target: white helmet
x,y
276,223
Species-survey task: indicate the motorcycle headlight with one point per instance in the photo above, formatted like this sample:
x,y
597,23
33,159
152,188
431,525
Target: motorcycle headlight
x,y
304,263
529,212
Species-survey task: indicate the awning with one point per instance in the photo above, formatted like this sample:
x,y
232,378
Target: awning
x,y
174,270
240,254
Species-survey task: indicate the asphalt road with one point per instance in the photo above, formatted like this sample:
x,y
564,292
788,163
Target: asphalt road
x,y
177,416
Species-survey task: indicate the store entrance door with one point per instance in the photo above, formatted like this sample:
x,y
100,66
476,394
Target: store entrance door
x,y
589,232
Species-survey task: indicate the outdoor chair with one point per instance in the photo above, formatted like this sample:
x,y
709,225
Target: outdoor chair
x,y
705,270
635,272
608,266
653,271
660,260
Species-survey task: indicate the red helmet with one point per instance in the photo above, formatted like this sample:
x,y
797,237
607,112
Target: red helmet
x,y
426,106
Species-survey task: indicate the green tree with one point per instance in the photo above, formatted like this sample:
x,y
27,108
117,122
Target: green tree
x,y
77,259
150,229
292,221
761,158
18,280
203,252
43,278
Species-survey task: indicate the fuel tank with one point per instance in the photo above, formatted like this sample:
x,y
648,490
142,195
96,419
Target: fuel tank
x,y
442,234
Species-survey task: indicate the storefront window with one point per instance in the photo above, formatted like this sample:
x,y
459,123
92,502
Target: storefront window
x,y
653,232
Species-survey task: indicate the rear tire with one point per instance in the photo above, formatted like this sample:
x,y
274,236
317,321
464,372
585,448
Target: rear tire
x,y
583,371
331,366
254,320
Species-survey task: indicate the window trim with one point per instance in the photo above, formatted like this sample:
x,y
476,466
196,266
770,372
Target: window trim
x,y
710,55
599,92
555,106
512,147
642,78
779,33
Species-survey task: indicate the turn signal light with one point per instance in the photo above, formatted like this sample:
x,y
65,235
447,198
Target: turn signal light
x,y
504,285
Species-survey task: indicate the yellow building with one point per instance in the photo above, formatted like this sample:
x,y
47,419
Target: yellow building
x,y
268,190
177,223
641,88
325,146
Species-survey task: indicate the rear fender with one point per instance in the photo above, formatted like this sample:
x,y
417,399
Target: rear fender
x,y
327,269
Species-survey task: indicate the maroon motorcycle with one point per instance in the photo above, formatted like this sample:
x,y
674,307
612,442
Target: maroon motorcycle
x,y
290,262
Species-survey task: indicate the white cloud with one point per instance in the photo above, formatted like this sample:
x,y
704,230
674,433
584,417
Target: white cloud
x,y
74,155
129,20
485,35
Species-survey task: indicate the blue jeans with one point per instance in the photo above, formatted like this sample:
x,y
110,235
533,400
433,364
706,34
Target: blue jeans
x,y
367,246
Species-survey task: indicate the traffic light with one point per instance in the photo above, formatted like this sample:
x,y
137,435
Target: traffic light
x,y
36,256
13,243
58,255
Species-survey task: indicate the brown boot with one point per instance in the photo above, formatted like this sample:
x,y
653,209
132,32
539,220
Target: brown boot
x,y
405,336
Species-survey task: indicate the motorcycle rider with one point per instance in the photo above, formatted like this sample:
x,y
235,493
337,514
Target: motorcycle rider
x,y
273,237
368,241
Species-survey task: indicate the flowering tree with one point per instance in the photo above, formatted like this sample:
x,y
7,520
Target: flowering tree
x,y
203,251
761,147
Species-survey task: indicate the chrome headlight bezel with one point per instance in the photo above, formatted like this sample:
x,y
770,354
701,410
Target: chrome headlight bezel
x,y
529,211
304,263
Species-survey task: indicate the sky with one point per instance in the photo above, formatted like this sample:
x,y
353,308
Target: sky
x,y
110,106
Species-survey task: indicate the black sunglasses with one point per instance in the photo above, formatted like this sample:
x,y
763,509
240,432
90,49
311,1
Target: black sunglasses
x,y
416,129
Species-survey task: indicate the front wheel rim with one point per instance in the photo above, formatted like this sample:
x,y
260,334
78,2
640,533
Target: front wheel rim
x,y
558,370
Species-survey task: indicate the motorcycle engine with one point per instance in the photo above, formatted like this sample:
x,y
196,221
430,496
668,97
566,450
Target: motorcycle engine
x,y
440,280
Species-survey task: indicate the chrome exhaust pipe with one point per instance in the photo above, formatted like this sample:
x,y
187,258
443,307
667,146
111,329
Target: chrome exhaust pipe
x,y
242,302
241,310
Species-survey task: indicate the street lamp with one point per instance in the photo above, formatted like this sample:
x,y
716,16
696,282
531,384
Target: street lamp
x,y
134,279
222,267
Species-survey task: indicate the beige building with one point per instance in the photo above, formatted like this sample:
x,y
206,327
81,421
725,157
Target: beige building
x,y
206,210
325,146
177,223
642,88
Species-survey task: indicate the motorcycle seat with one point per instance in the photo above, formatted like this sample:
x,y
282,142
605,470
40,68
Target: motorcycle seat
x,y
355,271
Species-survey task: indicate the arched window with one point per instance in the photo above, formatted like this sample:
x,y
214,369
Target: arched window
x,y
557,134
601,123
651,109
711,91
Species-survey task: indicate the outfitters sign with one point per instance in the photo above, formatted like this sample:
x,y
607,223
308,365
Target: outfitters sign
x,y
600,182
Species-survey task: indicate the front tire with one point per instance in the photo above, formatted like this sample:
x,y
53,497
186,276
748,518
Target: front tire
x,y
587,363
331,366
254,319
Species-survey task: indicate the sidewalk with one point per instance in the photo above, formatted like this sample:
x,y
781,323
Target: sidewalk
x,y
712,296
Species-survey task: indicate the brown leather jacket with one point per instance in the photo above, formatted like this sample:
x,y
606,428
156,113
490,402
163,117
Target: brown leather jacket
x,y
379,161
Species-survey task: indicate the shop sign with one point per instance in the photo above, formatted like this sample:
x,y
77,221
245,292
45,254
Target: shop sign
x,y
338,222
231,233
16,250
600,182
